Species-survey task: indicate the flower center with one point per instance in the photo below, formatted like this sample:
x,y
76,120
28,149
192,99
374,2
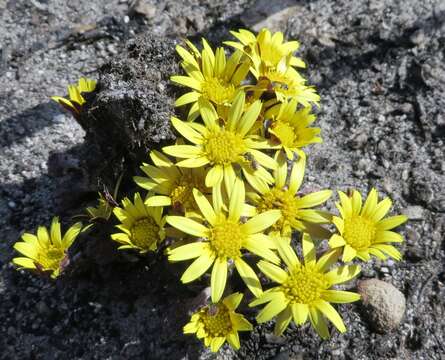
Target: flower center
x,y
305,285
51,258
218,91
227,239
280,199
144,233
216,320
182,194
285,133
359,232
224,147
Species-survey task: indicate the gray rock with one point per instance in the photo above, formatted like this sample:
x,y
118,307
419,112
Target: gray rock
x,y
384,305
414,212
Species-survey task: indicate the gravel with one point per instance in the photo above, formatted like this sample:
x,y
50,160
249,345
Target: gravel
x,y
378,65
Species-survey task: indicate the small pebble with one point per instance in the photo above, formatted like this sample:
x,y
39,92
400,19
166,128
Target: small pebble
x,y
383,304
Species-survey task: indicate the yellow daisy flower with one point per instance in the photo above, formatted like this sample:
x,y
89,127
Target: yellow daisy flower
x,y
282,195
287,83
266,50
272,65
210,75
222,240
224,146
173,184
290,127
218,323
363,231
76,99
304,289
46,251
142,226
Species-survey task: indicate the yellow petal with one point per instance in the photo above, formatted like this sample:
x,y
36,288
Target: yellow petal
x,y
24,262
237,198
272,309
342,274
318,322
248,119
233,300
187,131
208,114
282,321
314,199
214,176
391,222
188,251
340,297
336,241
233,340
56,236
381,209
261,222
183,151
370,203
218,279
198,267
356,202
71,235
300,313
158,201
188,226
249,277
273,272
204,206
193,163
187,81
349,253
216,343
332,314
287,253
390,250
345,204
236,111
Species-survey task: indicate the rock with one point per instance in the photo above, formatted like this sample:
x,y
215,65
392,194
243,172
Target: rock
x,y
413,212
383,304
270,14
273,339
142,7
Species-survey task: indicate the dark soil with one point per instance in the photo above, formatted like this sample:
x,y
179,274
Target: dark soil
x,y
379,68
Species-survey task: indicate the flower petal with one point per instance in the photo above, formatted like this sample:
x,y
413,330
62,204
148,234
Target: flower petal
x,y
318,322
261,221
188,226
340,297
249,277
300,313
198,267
329,311
273,308
391,222
214,176
218,279
273,272
188,251
282,321
342,274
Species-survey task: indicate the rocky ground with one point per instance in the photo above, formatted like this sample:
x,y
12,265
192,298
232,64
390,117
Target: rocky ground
x,y
379,68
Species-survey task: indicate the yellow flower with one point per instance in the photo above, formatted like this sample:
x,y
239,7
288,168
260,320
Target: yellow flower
x,y
142,226
282,195
290,127
76,99
224,146
363,231
272,66
173,184
304,289
217,323
209,75
287,83
46,252
222,241
266,50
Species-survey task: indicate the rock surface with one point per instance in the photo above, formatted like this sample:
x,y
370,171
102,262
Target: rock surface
x,y
378,65
383,303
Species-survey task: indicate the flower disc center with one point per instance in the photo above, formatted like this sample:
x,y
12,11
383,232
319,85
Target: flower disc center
x,y
224,147
51,258
359,232
218,91
216,320
227,239
144,232
280,199
304,286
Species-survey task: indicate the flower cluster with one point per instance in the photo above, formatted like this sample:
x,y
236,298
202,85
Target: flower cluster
x,y
227,195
